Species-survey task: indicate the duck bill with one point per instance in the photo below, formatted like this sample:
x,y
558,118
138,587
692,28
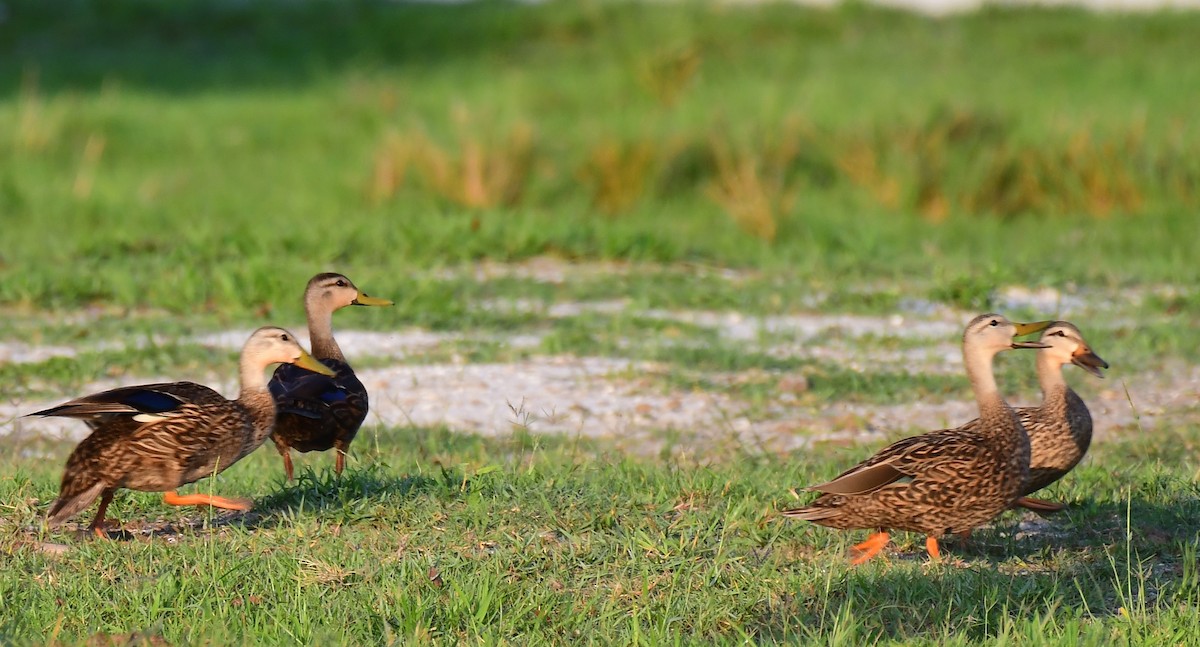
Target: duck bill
x,y
364,300
1029,328
1090,362
308,362
1029,344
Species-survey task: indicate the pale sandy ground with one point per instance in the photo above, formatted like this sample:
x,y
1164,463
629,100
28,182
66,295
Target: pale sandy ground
x,y
626,401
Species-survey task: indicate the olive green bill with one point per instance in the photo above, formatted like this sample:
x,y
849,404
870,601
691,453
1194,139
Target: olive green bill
x,y
311,363
364,300
1029,328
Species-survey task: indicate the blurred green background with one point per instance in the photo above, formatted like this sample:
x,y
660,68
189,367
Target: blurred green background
x,y
212,155
573,180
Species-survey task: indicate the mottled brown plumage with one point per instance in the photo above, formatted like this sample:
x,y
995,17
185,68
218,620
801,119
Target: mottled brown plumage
x,y
316,413
157,437
945,481
1060,429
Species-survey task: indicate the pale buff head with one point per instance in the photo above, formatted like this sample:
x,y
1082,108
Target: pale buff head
x,y
1066,345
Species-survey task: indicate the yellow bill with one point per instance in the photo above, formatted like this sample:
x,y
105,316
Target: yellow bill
x,y
1027,328
311,363
363,300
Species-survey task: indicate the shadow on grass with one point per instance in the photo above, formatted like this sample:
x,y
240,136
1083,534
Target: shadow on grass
x,y
350,495
1152,529
317,492
1095,560
191,45
353,497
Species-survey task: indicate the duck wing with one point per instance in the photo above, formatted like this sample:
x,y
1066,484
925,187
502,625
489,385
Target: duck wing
x,y
142,403
907,459
305,393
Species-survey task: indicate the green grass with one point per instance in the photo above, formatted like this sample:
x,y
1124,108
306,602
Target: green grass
x,y
233,148
171,169
552,540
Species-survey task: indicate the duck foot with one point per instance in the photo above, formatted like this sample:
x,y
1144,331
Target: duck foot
x,y
102,529
869,548
99,525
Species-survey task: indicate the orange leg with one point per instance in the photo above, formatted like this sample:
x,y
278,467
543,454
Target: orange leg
x,y
931,545
97,526
340,464
171,498
869,548
287,464
1039,505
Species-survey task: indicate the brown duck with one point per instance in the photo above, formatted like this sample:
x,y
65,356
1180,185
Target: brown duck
x,y
1060,429
942,482
158,437
316,412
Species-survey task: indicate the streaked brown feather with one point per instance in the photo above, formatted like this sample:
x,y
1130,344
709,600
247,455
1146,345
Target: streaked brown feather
x,y
950,482
945,481
157,437
1060,433
867,478
201,438
1060,428
317,413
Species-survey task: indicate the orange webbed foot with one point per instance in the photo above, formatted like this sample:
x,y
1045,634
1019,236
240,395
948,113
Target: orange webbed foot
x,y
869,548
227,503
99,525
101,529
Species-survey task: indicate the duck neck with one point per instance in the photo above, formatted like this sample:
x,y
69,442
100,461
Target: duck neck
x,y
320,331
1050,377
256,397
983,381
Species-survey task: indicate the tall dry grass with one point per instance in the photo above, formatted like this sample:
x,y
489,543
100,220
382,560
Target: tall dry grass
x,y
955,163
473,170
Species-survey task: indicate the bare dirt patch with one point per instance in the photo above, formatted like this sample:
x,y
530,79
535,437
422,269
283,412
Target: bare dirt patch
x,y
627,400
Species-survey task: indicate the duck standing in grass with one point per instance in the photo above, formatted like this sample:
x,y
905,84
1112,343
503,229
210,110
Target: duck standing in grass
x,y
1060,429
158,437
942,482
316,412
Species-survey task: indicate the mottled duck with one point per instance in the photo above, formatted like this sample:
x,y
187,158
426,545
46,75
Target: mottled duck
x,y
942,482
316,412
158,437
1060,429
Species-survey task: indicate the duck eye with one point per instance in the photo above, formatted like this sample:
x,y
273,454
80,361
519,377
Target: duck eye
x,y
1058,333
284,337
341,283
994,322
